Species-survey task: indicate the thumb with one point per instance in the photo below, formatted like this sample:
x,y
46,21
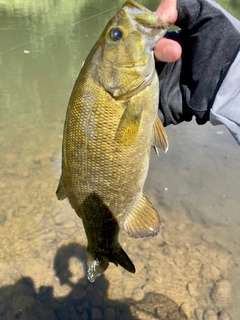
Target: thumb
x,y
167,50
167,10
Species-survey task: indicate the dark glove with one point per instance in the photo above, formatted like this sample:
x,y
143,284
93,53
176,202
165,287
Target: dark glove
x,y
209,44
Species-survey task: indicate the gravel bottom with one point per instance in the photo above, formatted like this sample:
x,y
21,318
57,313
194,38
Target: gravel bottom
x,y
189,271
183,273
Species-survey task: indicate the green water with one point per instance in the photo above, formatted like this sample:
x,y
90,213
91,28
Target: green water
x,y
195,187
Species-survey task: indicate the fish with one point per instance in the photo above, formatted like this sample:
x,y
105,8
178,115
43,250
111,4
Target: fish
x,y
110,127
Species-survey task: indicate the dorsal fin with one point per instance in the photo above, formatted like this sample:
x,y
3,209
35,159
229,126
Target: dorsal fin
x,y
143,221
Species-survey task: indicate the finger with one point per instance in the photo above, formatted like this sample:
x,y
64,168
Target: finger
x,y
167,50
167,10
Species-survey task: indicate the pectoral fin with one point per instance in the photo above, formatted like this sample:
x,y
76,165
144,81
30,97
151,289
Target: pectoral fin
x,y
159,138
143,221
61,191
128,127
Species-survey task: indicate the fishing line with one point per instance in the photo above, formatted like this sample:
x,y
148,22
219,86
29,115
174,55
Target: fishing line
x,y
61,29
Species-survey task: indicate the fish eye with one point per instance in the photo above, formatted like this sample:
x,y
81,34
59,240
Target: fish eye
x,y
116,34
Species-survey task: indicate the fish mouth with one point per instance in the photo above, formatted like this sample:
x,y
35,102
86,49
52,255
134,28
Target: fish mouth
x,y
146,21
133,5
144,17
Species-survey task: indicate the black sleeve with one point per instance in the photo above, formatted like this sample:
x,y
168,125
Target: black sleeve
x,y
209,41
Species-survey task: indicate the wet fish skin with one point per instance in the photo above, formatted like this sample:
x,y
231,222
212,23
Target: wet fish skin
x,y
111,124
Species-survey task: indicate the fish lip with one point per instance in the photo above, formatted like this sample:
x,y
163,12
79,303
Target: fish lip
x,y
134,4
163,27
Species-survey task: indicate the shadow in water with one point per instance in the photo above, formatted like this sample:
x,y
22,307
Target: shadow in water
x,y
85,301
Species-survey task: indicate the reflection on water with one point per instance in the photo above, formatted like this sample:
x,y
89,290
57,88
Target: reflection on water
x,y
191,269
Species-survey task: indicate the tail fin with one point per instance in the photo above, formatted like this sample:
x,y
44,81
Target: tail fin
x,y
97,263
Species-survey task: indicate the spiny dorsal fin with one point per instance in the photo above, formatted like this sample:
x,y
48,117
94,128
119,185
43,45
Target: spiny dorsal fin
x,y
128,127
159,138
143,221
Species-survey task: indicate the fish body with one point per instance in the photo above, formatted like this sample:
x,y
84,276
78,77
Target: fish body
x,y
111,124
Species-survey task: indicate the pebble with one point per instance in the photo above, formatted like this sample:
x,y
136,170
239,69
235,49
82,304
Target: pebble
x,y
24,288
206,237
192,289
22,302
169,251
209,272
183,310
221,292
199,313
137,294
139,265
25,172
144,244
46,313
96,314
84,315
109,314
76,269
157,279
210,315
181,226
223,316
180,261
9,315
78,294
3,216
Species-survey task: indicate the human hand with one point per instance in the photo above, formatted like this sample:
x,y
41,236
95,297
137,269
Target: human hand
x,y
189,86
168,50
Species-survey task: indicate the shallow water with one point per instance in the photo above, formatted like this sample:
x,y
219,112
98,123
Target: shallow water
x,y
190,268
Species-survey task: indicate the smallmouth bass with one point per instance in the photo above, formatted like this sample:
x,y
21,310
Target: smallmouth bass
x,y
111,124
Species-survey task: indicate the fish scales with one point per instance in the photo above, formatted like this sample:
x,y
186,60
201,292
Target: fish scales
x,y
111,124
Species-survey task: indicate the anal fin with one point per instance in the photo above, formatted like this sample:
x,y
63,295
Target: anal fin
x,y
159,138
61,191
143,221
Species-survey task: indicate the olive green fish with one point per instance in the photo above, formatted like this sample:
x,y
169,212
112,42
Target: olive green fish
x,y
111,124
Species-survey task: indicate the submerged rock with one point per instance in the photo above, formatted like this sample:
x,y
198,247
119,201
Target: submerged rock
x,y
199,313
209,272
210,315
223,316
221,292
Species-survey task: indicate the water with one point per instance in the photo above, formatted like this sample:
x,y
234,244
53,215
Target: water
x,y
188,268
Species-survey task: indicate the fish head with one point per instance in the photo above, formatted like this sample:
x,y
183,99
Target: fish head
x,y
124,52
